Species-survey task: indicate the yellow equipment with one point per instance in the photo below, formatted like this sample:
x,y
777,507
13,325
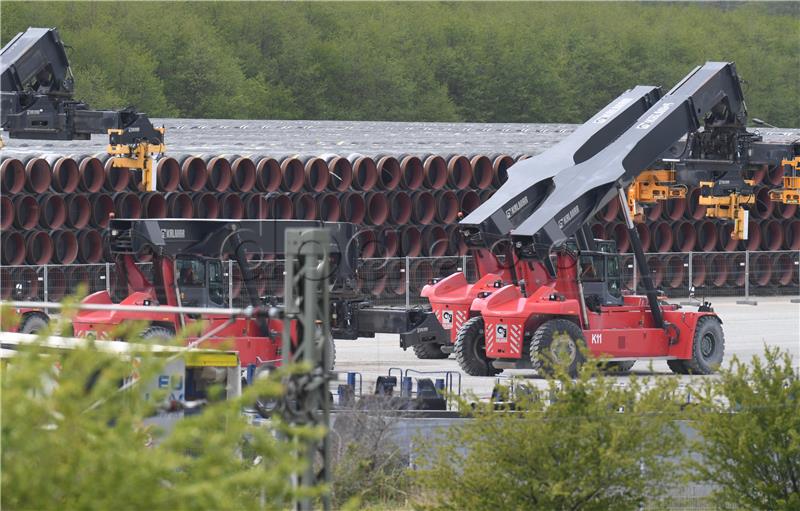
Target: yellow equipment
x,y
790,193
650,187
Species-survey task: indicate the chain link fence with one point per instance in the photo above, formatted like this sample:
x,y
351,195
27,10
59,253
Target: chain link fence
x,y
398,281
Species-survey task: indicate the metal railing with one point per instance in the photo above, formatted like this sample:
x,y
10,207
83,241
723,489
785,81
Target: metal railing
x,y
398,281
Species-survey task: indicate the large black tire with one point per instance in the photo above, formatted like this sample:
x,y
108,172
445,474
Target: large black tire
x,y
678,366
33,323
470,349
158,334
708,347
618,367
558,343
429,350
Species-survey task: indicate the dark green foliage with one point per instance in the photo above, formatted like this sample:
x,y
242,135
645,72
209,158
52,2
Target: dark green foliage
x,y
485,62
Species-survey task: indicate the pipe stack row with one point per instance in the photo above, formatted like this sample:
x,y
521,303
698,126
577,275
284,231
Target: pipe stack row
x,y
54,208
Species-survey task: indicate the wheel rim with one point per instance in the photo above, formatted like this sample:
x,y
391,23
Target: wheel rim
x,y
707,344
478,350
563,349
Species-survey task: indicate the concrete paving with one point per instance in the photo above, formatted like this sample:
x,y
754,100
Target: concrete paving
x,y
775,321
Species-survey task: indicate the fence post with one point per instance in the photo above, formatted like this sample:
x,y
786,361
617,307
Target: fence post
x,y
747,300
46,284
108,278
797,300
689,286
464,265
635,276
230,283
408,283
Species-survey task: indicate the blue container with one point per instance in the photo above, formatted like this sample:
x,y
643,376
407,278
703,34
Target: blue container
x,y
406,387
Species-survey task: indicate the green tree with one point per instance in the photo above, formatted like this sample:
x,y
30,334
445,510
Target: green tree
x,y
749,434
71,439
597,446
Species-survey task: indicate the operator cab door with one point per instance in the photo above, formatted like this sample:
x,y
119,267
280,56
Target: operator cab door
x,y
600,276
200,282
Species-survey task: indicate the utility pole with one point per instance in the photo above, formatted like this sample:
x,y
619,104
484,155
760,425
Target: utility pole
x,y
306,400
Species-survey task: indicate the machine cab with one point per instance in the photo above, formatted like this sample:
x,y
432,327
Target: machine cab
x,y
201,282
599,272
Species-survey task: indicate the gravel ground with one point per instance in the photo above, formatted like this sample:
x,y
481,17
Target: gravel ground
x,y
774,322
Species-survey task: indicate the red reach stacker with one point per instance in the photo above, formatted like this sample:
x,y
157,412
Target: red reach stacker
x,y
547,291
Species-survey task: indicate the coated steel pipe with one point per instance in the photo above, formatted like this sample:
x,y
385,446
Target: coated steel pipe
x,y
305,207
644,236
38,247
459,172
446,206
771,235
168,174
662,237
656,270
684,236
179,205
736,270
619,232
127,205
400,207
280,206
389,172
56,284
316,174
764,206
753,240
26,211
205,205
367,243
784,211
698,271
220,174
791,235
676,272
609,212
707,236
93,173
194,173
434,241
256,206
7,283
354,209
468,201
726,241
783,267
52,211
243,171
66,176
435,172
341,173
500,166
760,269
330,209
413,173
482,171
389,240
485,194
12,175
65,246
396,284
421,275
410,241
694,211
774,176
674,209
154,205
102,208
230,206
90,246
79,211
6,212
365,173
423,205
37,174
13,248
717,269
114,179
457,244
269,175
377,208
292,174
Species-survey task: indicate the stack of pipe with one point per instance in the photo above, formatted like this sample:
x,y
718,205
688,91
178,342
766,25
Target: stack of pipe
x,y
54,208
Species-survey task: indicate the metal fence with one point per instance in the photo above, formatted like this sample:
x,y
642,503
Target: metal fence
x,y
398,281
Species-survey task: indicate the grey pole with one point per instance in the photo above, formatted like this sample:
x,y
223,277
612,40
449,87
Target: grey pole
x,y
797,263
408,283
747,300
230,283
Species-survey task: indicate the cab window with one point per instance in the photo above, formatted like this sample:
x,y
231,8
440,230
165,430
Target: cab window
x,y
592,268
216,283
191,272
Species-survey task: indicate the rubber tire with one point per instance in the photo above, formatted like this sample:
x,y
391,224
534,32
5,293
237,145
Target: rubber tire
x,y
470,349
678,366
621,367
160,334
700,364
543,338
33,323
429,350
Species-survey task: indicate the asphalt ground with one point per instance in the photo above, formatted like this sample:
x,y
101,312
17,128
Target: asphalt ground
x,y
774,321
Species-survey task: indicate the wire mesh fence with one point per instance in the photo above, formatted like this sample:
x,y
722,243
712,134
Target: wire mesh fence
x,y
397,281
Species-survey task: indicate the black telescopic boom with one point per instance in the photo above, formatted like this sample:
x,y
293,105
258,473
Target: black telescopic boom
x,y
641,262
